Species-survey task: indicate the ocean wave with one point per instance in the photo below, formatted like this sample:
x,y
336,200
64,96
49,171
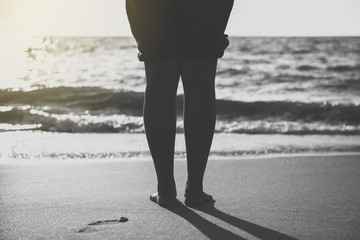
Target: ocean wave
x,y
352,85
307,68
100,101
182,154
302,51
335,68
286,127
290,111
90,109
232,72
344,68
76,99
129,124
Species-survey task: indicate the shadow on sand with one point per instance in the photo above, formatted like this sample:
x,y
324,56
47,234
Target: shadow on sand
x,y
213,231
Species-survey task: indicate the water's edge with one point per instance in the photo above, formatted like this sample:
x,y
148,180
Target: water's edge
x,y
64,146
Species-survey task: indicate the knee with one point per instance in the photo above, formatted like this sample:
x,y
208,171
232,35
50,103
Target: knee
x,y
203,99
159,96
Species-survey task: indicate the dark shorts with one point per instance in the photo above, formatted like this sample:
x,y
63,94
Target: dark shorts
x,y
179,28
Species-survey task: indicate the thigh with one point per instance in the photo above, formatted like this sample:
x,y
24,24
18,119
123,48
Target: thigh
x,y
198,75
162,76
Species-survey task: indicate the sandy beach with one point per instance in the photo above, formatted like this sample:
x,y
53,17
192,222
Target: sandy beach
x,y
74,161
284,197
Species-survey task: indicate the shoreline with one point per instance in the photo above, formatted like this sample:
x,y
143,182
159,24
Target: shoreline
x,y
34,146
179,159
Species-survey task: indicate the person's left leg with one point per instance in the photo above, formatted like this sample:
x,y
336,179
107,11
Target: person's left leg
x,y
198,77
160,124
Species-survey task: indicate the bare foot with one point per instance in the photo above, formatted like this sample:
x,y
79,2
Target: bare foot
x,y
163,201
197,200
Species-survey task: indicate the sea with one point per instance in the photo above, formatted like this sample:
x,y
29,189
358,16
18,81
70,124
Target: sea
x,y
265,85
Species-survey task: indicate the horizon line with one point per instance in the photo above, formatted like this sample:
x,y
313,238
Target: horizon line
x,y
126,35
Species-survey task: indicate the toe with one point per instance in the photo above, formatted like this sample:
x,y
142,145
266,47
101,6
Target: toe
x,y
154,197
162,200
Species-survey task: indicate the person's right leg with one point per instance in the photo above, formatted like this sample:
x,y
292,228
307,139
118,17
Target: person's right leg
x,y
162,78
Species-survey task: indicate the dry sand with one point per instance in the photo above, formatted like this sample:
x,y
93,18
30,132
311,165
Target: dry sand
x,y
301,197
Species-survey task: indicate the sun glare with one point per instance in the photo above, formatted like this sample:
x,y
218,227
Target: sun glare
x,y
13,60
64,17
33,16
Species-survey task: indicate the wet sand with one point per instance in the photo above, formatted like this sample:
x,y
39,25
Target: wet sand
x,y
46,146
287,197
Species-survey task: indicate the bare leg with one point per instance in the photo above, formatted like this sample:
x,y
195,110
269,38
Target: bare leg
x,y
198,76
160,124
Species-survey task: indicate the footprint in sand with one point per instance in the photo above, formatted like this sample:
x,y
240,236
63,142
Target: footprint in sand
x,y
89,228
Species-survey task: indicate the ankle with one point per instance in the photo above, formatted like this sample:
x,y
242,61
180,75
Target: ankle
x,y
193,190
168,190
